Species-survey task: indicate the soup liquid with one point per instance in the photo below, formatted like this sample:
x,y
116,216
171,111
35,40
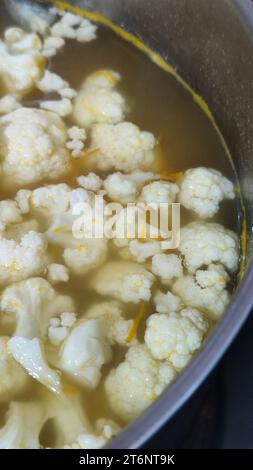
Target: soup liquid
x,y
158,103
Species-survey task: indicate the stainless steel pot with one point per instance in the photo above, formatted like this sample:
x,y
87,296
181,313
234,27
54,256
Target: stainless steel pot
x,y
211,44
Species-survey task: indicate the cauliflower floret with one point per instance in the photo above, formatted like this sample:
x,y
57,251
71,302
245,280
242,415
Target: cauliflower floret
x,y
14,379
57,203
212,300
136,382
124,281
73,26
85,351
21,61
105,430
166,267
57,273
77,138
124,188
59,327
33,147
159,192
61,107
51,45
87,255
206,243
122,147
214,275
130,224
8,104
51,82
9,213
202,190
30,355
52,199
143,251
67,415
125,226
91,182
33,302
23,200
24,423
167,303
117,327
71,425
175,336
19,261
97,101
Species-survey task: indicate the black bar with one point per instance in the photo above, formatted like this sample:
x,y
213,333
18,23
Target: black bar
x,y
116,458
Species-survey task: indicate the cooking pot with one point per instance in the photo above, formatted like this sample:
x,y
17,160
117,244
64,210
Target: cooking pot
x,y
210,42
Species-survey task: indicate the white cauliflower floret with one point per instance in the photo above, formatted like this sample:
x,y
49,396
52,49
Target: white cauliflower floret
x,y
8,104
51,45
32,303
125,226
117,327
136,383
85,351
57,203
72,427
59,327
206,243
212,300
20,260
97,101
51,82
87,255
23,200
21,61
77,138
52,199
130,224
33,147
214,275
175,336
67,416
14,379
57,273
122,147
73,26
142,251
124,281
124,188
30,355
24,423
61,107
91,182
202,190
105,430
9,213
167,303
166,267
159,192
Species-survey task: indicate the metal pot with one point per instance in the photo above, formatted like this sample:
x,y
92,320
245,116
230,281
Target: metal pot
x,y
211,44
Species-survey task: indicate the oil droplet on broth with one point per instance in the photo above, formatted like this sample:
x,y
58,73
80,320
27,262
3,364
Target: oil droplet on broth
x,y
186,138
